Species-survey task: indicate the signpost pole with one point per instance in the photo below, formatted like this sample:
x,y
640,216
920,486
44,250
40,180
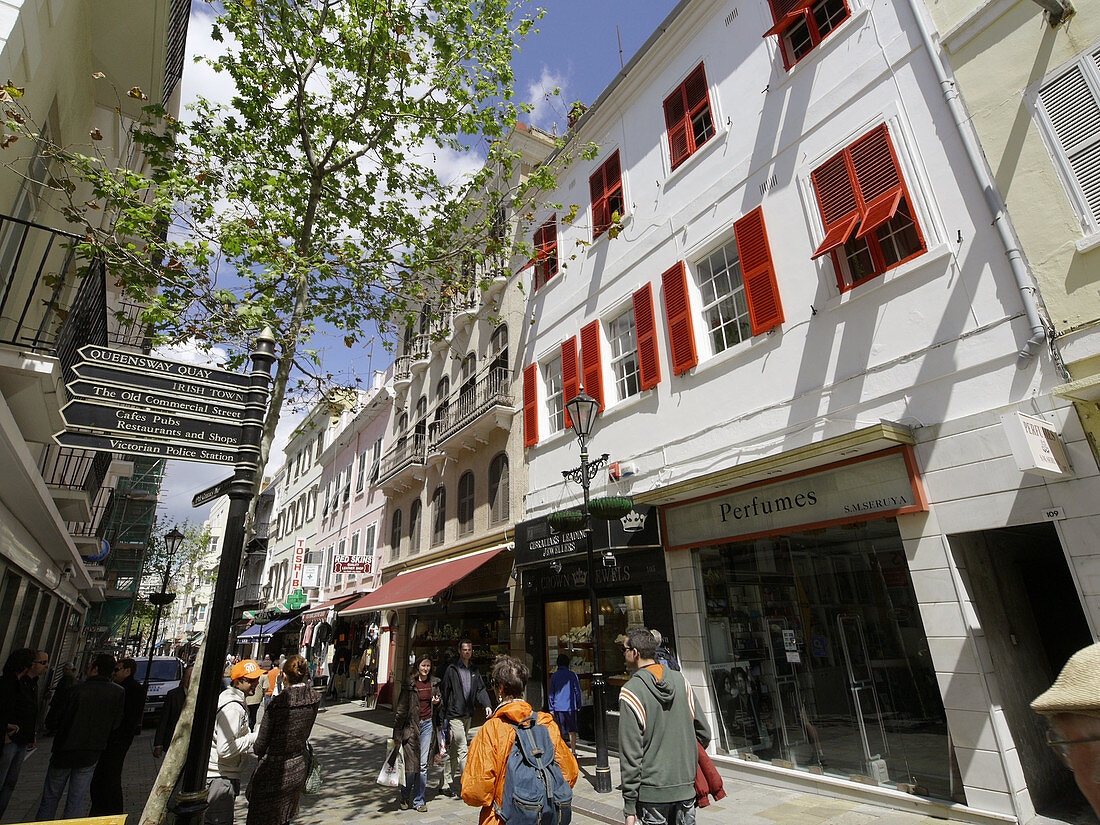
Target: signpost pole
x,y
192,798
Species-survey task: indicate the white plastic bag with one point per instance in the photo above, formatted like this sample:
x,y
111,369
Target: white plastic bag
x,y
393,769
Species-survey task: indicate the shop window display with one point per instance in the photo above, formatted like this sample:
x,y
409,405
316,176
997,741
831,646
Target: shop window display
x,y
438,636
818,658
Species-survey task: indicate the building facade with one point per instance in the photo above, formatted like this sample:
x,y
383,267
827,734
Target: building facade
x,y
819,362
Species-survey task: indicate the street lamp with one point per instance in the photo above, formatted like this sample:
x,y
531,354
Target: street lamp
x,y
172,542
583,410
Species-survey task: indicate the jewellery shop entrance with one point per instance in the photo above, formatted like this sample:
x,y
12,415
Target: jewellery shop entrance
x,y
631,589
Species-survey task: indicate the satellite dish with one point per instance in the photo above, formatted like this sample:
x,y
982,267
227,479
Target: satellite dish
x,y
102,549
323,634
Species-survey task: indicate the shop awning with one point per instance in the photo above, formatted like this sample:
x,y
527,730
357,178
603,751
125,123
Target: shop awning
x,y
264,632
315,614
418,586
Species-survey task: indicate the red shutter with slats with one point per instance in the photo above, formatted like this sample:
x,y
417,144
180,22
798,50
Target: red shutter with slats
x,y
645,328
530,405
681,331
590,361
877,177
570,374
758,272
602,185
681,107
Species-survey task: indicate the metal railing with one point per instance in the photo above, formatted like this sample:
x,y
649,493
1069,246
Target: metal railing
x,y
175,46
470,403
247,594
409,450
101,516
66,468
126,329
49,301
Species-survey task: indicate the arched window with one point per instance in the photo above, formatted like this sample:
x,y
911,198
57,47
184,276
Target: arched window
x,y
408,341
439,515
414,527
442,402
498,347
466,504
467,396
421,422
402,423
395,536
498,489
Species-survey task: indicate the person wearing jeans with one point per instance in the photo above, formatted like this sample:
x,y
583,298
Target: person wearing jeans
x,y
415,727
19,698
92,712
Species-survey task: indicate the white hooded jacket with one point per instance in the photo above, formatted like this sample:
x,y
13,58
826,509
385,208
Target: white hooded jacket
x,y
232,738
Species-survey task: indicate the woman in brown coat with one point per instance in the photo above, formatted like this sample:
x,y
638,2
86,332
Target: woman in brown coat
x,y
416,725
281,745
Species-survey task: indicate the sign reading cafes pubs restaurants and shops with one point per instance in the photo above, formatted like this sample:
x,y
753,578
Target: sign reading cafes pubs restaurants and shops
x,y
880,485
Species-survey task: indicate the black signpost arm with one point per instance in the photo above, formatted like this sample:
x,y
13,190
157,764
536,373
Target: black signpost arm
x,y
192,797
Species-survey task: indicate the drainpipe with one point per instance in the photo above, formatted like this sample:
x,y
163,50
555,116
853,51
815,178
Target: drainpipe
x,y
989,189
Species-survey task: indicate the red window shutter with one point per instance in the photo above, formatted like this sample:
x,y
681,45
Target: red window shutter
x,y
546,251
599,202
835,195
530,405
837,236
590,361
758,272
570,374
695,89
645,328
676,122
681,331
878,178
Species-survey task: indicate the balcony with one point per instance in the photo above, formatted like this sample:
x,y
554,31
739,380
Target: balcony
x,y
74,478
441,329
86,534
402,374
403,463
472,414
465,310
247,596
421,353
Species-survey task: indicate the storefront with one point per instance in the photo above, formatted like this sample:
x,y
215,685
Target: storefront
x,y
631,589
430,609
815,653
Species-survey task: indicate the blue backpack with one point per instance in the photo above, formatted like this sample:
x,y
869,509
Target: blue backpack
x,y
535,791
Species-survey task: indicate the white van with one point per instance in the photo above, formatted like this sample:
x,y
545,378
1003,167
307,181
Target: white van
x,y
166,674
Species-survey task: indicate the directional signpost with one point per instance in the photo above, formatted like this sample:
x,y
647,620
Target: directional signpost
x,y
210,493
128,402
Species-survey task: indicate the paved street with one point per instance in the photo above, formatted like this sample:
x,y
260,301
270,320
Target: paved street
x,y
351,743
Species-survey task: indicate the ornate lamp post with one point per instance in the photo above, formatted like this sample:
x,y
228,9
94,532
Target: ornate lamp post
x,y
172,543
583,410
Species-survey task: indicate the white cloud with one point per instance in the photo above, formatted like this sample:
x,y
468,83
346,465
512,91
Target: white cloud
x,y
191,353
549,108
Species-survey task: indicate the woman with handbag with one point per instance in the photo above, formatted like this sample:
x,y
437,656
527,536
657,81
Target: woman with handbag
x,y
415,730
281,745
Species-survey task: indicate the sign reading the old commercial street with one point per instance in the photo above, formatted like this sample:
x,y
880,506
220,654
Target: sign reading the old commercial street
x,y
145,400
136,362
114,444
114,420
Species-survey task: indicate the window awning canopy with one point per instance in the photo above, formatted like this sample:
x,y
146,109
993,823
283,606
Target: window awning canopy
x,y
418,586
264,632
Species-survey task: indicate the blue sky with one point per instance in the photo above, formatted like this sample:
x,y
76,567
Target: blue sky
x,y
575,49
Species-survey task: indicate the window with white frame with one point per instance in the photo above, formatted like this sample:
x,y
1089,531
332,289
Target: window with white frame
x,y
725,307
555,393
1069,110
361,478
340,551
375,463
624,354
354,552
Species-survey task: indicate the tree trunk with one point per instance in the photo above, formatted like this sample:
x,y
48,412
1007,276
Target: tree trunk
x,y
156,807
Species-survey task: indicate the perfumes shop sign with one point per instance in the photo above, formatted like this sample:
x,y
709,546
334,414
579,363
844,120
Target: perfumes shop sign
x,y
856,491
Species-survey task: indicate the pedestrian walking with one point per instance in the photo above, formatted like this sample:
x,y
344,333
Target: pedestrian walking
x,y
1072,708
659,738
462,689
19,698
565,699
485,776
279,778
106,785
271,680
232,740
170,715
94,711
60,696
416,723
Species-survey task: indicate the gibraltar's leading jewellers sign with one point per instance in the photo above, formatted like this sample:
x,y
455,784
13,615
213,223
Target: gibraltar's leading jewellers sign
x,y
536,542
880,485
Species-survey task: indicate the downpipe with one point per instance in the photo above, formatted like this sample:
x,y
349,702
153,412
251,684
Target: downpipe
x,y
1024,283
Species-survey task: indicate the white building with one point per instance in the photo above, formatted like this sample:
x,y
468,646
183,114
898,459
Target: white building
x,y
813,356
194,585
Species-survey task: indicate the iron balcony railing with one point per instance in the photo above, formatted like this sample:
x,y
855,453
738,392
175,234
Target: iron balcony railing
x,y
409,450
101,517
50,301
262,531
66,468
126,329
470,403
247,594
175,47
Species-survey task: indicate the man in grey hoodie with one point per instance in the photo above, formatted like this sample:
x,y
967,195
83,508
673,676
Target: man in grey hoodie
x,y
232,740
658,731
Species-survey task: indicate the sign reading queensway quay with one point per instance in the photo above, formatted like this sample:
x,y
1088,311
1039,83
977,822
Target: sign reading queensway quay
x,y
872,487
132,361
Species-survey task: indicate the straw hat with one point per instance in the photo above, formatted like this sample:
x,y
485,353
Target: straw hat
x,y
1077,688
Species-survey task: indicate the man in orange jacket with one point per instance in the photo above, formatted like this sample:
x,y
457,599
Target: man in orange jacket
x,y
483,779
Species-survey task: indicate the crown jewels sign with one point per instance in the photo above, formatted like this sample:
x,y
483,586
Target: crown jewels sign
x,y
633,521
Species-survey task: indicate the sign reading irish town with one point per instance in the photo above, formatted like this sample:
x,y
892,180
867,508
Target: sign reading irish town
x,y
115,420
158,383
135,362
351,564
871,487
181,452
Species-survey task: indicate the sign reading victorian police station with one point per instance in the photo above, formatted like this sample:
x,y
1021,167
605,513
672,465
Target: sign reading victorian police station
x,y
536,542
880,485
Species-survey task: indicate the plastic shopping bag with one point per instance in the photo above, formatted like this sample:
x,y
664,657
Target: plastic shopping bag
x,y
314,775
393,768
440,743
